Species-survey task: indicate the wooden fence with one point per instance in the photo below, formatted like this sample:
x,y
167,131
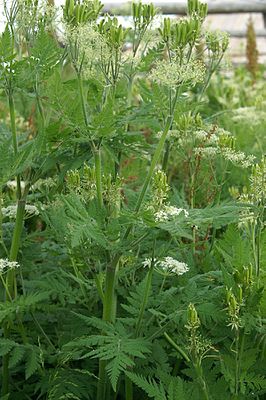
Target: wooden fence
x,y
214,7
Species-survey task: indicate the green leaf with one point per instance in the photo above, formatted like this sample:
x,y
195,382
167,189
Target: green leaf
x,y
148,385
16,356
6,345
32,361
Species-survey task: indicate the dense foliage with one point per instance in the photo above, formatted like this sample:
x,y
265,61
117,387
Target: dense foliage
x,y
132,208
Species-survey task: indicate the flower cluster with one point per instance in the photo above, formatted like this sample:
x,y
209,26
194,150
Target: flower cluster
x,y
83,183
171,73
249,115
238,157
168,212
91,48
11,211
220,143
43,184
30,13
173,266
255,195
217,42
168,265
6,265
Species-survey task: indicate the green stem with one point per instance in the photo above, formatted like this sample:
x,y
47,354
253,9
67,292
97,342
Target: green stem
x,y
237,364
176,347
166,156
82,98
98,173
202,383
13,122
128,388
96,151
11,282
109,306
1,225
154,162
109,299
101,387
109,295
144,302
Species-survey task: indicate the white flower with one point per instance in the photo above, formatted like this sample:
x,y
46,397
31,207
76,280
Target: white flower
x,y
5,264
238,157
167,265
93,48
170,73
11,211
207,152
201,135
250,115
171,265
168,212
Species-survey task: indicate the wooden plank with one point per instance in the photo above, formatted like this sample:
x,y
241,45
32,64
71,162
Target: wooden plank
x,y
243,33
214,6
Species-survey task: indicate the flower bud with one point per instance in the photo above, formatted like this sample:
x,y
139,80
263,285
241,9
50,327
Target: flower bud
x,y
193,319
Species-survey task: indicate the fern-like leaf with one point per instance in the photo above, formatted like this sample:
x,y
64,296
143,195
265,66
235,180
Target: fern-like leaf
x,y
32,361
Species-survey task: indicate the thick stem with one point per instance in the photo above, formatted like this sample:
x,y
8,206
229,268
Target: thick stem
x,y
128,388
101,388
109,295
